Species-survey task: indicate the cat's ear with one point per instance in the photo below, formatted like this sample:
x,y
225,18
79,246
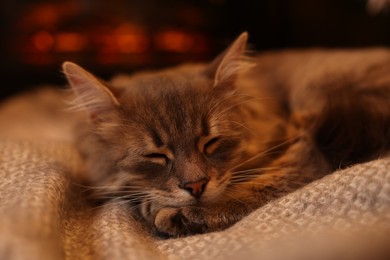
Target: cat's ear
x,y
225,68
91,94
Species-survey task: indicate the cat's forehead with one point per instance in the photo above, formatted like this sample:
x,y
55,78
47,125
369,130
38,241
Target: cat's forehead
x,y
171,104
173,110
183,75
175,105
174,81
175,90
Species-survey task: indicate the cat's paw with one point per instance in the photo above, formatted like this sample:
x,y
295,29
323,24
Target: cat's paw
x,y
175,222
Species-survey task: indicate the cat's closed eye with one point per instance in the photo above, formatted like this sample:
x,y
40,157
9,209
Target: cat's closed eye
x,y
219,148
159,158
211,145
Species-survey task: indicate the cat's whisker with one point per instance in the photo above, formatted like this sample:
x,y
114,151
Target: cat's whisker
x,y
284,172
296,181
251,174
261,175
253,97
95,186
119,189
137,191
257,169
110,187
116,192
123,200
217,104
243,179
122,195
217,116
263,153
230,195
83,185
265,181
105,205
256,174
234,95
260,141
117,195
255,182
264,177
243,126
250,98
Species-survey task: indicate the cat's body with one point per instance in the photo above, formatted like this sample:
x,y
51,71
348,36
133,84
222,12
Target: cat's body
x,y
195,148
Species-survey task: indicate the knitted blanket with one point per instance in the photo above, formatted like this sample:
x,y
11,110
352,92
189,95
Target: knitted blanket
x,y
45,216
44,213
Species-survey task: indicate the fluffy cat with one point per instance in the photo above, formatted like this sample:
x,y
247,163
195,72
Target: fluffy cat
x,y
195,148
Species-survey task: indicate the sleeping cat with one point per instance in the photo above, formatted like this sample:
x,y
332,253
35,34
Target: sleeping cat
x,y
195,148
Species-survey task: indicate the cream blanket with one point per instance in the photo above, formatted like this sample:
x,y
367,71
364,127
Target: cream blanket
x,y
44,214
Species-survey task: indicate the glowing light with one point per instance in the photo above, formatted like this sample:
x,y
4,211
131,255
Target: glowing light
x,y
43,41
44,15
174,41
129,28
69,42
105,43
132,43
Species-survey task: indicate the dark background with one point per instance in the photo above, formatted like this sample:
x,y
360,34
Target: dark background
x,y
121,36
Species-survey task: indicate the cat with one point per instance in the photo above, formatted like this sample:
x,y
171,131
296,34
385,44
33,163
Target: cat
x,y
195,148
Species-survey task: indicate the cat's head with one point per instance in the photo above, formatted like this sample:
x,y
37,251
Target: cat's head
x,y
172,135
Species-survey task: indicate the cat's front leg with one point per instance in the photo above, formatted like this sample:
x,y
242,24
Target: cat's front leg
x,y
190,220
176,222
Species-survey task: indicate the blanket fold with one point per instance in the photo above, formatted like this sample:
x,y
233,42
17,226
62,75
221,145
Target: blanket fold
x,y
45,216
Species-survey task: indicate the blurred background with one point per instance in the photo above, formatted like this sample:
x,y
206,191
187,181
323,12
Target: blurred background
x,y
114,36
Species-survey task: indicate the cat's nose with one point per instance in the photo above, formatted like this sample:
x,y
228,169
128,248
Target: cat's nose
x,y
195,188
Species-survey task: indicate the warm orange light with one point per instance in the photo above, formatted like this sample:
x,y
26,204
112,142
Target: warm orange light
x,y
48,15
45,15
69,42
43,41
174,41
129,28
132,43
126,38
122,43
105,43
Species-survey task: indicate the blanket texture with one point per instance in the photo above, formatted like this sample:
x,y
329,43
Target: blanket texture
x,y
45,216
44,213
